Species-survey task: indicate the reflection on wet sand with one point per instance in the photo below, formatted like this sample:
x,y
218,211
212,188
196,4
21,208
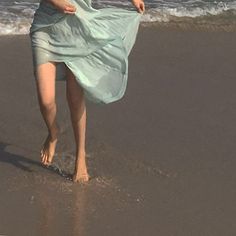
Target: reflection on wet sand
x,y
69,222
79,213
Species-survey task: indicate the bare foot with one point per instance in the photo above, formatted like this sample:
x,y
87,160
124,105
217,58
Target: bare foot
x,y
81,175
48,149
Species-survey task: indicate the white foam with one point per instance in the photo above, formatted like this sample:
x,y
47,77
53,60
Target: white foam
x,y
165,14
14,28
16,18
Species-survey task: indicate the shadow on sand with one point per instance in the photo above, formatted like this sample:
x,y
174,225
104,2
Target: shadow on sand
x,y
24,163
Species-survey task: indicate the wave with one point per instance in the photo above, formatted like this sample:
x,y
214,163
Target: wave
x,y
16,17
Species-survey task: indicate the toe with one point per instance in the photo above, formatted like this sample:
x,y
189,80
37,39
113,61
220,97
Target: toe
x,y
50,157
82,179
48,160
44,159
47,163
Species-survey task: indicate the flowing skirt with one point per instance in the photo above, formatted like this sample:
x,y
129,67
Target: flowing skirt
x,y
93,43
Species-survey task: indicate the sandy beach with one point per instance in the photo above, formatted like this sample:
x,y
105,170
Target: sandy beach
x,y
162,159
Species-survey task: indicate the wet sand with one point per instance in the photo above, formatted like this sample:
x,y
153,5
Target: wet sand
x,y
162,159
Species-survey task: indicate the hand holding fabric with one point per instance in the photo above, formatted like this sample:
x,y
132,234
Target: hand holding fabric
x,y
139,4
63,6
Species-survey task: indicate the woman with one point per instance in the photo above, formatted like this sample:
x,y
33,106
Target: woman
x,y
89,49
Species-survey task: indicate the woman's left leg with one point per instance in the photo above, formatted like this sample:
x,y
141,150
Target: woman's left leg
x,y
76,102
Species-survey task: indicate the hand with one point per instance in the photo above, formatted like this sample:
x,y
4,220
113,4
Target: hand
x,y
63,6
139,4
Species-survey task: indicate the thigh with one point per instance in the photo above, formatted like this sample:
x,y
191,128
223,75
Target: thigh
x,y
74,90
45,80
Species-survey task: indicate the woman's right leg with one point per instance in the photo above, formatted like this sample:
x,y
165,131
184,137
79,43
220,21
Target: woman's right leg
x,y
45,83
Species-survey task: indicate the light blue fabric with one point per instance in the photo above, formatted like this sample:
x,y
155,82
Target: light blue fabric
x,y
93,43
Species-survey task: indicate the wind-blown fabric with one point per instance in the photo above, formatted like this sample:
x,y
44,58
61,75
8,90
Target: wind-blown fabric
x,y
93,43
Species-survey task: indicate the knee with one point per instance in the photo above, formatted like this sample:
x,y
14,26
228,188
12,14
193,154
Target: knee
x,y
47,104
74,101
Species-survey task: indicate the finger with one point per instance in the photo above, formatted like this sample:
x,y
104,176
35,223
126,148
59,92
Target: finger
x,y
70,7
141,6
69,12
140,10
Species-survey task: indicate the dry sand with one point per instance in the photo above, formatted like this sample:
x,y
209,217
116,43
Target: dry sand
x,y
162,159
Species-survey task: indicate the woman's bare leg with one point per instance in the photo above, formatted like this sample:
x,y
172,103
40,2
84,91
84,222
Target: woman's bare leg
x,y
45,83
76,102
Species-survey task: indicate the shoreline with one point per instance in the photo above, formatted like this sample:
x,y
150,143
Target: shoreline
x,y
192,25
188,25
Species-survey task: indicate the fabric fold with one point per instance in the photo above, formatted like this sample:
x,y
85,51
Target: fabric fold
x,y
93,43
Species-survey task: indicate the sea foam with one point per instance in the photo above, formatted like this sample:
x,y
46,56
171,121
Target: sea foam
x,y
16,17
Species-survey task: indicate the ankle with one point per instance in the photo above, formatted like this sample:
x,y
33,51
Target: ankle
x,y
53,133
81,153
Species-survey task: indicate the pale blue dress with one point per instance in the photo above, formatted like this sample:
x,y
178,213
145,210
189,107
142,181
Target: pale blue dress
x,y
93,43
